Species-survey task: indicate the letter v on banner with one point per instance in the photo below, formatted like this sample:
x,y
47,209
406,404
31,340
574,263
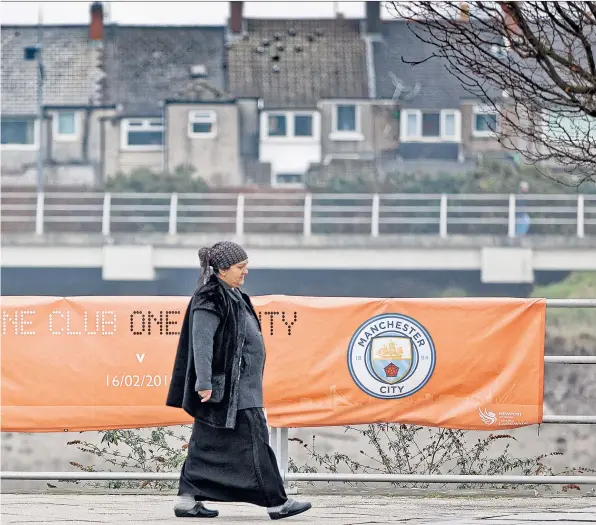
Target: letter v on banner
x,y
347,361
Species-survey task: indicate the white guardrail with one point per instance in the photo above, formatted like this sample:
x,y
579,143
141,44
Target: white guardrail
x,y
300,213
279,441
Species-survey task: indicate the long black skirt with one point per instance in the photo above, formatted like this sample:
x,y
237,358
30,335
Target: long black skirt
x,y
233,465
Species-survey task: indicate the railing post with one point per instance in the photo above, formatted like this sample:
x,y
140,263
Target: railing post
x,y
240,215
580,216
279,437
374,222
39,213
443,216
173,222
105,220
308,214
511,228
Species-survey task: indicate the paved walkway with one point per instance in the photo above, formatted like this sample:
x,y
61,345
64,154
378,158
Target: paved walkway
x,y
72,509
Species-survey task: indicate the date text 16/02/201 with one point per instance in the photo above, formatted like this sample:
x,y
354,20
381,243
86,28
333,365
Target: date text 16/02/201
x,y
138,381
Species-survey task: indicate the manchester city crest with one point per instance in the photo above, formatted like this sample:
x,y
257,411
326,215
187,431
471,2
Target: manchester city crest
x,y
391,356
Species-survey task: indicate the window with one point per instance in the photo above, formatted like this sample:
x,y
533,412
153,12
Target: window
x,y
450,125
411,125
484,121
290,125
276,125
345,118
430,126
202,124
65,125
346,123
142,134
303,125
19,132
290,179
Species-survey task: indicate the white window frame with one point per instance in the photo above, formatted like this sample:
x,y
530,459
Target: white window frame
x,y
146,125
66,137
202,117
484,110
310,114
339,135
277,184
24,147
417,137
268,114
290,136
456,137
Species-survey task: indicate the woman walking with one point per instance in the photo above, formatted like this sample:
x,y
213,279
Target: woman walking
x,y
218,379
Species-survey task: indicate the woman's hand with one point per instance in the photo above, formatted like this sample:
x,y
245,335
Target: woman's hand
x,y
205,395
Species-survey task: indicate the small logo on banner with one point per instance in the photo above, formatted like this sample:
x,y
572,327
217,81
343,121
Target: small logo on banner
x,y
391,356
498,418
488,418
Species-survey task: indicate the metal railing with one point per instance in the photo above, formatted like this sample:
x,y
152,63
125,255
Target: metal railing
x,y
279,442
298,213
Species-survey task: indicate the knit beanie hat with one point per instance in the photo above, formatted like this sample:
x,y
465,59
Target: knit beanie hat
x,y
220,256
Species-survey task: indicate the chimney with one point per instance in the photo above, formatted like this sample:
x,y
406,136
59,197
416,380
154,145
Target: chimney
x,y
96,25
373,18
464,12
509,20
236,18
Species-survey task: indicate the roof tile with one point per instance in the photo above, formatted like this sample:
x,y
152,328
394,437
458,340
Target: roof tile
x,y
72,68
295,63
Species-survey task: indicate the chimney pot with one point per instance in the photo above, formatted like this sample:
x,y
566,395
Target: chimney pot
x,y
96,25
236,17
464,12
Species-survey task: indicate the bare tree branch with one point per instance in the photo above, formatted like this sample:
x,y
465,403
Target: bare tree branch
x,y
533,62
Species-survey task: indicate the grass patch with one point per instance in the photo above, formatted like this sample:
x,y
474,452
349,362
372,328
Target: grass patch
x,y
572,324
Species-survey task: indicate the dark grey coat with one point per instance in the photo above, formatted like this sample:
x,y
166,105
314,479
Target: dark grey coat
x,y
220,411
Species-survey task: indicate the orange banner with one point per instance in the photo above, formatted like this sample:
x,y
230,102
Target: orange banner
x,y
88,363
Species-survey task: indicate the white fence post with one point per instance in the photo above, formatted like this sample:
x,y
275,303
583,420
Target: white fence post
x,y
173,222
374,222
279,437
443,216
580,216
240,215
511,228
307,215
39,213
105,220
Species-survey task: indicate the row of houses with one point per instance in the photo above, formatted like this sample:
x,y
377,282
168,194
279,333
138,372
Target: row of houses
x,y
258,101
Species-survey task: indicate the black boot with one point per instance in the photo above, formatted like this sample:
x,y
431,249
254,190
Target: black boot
x,y
289,508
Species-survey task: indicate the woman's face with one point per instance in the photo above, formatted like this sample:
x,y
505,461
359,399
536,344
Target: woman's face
x,y
234,275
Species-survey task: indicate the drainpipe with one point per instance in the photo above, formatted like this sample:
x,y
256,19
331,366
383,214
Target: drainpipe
x,y
164,155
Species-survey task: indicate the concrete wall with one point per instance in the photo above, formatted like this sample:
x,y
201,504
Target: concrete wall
x,y
73,160
248,116
325,283
375,119
17,159
289,153
217,158
118,160
385,134
471,143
